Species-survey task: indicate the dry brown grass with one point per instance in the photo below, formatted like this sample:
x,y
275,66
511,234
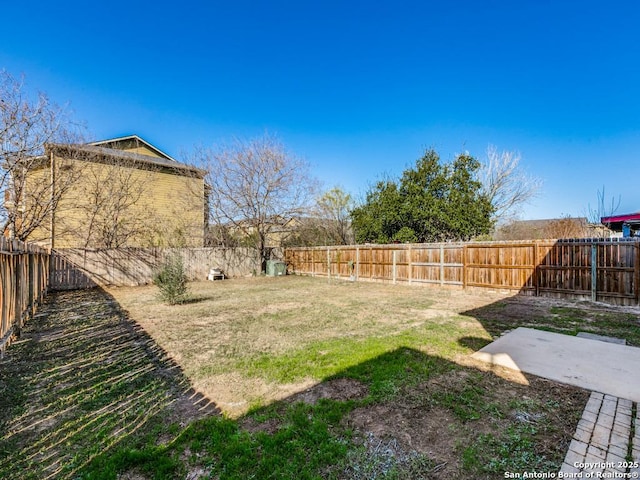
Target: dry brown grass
x,y
237,320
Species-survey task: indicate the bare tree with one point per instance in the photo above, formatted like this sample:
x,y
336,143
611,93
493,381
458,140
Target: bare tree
x,y
128,199
309,232
334,208
328,223
603,207
110,205
27,125
257,186
567,227
505,183
218,235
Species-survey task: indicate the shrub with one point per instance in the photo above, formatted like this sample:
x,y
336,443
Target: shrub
x,y
172,281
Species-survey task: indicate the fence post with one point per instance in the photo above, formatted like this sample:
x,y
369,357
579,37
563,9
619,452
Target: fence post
x,y
637,273
536,268
464,267
393,256
31,276
15,282
357,263
328,264
410,264
20,284
441,264
594,272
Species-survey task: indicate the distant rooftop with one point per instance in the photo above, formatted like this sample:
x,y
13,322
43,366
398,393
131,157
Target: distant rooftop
x,y
615,222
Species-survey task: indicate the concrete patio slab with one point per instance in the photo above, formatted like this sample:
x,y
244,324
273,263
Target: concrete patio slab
x,y
591,364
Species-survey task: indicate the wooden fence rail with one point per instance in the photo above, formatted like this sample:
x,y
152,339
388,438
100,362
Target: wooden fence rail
x,y
606,270
24,274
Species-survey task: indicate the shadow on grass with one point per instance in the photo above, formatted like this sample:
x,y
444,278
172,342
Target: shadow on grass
x,y
82,378
474,343
87,394
402,414
558,316
197,299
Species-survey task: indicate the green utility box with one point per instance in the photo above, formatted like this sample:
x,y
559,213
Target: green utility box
x,y
275,268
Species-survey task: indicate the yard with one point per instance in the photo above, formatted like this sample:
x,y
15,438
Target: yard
x,y
314,379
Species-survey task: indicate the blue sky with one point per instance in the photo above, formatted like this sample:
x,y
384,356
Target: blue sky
x,y
359,89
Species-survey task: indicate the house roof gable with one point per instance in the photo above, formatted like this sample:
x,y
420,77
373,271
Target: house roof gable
x,y
134,144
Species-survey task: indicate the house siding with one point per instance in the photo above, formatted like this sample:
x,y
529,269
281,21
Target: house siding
x,y
168,208
143,151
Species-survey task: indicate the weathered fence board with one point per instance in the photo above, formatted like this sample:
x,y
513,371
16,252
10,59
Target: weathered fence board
x,y
24,271
85,268
503,266
606,270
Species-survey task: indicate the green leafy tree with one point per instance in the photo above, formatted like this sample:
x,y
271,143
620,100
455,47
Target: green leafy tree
x,y
380,217
431,202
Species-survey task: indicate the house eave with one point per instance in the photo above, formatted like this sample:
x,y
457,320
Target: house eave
x,y
98,154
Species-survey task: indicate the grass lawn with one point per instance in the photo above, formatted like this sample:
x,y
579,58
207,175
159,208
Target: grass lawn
x,y
387,365
318,379
245,343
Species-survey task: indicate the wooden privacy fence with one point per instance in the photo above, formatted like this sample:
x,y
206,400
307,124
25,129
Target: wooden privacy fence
x,y
606,270
24,273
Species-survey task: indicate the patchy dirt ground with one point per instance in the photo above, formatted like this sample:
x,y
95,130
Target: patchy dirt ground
x,y
441,432
424,421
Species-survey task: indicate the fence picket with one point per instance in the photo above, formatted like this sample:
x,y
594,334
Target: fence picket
x,y
559,268
22,268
